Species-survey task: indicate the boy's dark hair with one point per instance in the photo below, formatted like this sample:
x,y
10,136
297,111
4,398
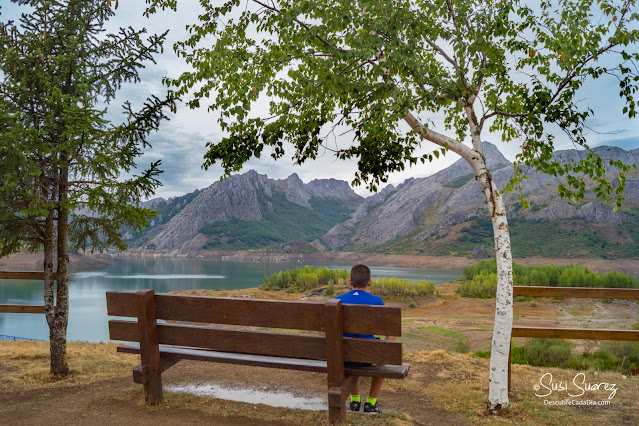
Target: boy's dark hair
x,y
360,276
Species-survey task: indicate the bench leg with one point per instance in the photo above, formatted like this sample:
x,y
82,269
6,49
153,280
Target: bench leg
x,y
153,388
337,400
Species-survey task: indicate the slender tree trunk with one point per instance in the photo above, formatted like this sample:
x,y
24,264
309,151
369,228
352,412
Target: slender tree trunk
x,y
58,332
502,331
49,286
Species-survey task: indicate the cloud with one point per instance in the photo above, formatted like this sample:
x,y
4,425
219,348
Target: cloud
x,y
180,142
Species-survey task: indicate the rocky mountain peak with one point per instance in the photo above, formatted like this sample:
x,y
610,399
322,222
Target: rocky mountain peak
x,y
460,168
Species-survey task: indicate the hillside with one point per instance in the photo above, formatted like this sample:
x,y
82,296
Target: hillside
x,y
248,211
442,214
445,214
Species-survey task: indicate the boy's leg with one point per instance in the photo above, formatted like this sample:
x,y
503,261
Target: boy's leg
x,y
376,387
355,390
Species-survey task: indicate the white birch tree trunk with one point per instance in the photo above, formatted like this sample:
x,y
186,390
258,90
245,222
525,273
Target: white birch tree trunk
x,y
502,331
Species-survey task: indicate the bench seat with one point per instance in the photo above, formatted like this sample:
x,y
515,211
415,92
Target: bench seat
x,y
311,365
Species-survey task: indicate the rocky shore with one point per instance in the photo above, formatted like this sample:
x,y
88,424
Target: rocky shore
x,y
388,260
83,261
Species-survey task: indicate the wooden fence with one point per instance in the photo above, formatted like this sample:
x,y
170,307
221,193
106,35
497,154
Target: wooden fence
x,y
573,333
23,309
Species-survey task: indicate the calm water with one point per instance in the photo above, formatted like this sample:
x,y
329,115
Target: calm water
x,y
87,304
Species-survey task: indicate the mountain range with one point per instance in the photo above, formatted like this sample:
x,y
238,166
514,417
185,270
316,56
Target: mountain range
x,y
442,214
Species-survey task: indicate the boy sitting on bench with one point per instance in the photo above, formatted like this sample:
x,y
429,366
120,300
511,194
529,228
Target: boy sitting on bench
x,y
361,282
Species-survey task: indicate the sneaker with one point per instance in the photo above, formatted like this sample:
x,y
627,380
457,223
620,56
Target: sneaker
x,y
370,408
355,405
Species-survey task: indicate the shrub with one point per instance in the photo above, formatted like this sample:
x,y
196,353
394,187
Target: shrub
x,y
395,287
330,289
412,305
481,280
549,353
483,285
308,278
462,345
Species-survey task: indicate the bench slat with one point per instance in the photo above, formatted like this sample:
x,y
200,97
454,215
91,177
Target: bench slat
x,y
575,333
384,371
262,343
358,319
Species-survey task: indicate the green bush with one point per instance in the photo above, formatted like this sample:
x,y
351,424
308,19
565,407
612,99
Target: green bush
x,y
330,289
305,278
483,285
549,353
481,280
308,278
412,305
395,287
462,345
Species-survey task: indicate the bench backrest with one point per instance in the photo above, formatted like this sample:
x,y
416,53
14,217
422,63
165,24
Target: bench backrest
x,y
331,317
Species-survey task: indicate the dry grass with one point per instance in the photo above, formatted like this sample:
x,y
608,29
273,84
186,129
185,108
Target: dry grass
x,y
25,365
242,412
461,386
454,382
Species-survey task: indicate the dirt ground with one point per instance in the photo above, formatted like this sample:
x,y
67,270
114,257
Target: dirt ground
x,y
444,386
33,261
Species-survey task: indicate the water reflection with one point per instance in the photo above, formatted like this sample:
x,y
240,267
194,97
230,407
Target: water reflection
x,y
88,319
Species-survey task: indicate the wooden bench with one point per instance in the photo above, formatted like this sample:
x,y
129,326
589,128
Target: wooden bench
x,y
161,345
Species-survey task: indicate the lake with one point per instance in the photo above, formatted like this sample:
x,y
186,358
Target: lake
x,y
87,304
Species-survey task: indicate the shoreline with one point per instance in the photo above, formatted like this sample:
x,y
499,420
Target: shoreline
x,y
630,266
81,261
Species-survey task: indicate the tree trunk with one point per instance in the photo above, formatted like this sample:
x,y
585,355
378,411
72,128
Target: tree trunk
x,y
49,286
502,331
58,331
498,389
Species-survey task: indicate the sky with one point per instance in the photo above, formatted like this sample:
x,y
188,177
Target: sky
x,y
180,142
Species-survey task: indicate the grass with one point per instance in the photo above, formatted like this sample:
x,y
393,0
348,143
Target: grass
x,y
443,332
28,364
448,381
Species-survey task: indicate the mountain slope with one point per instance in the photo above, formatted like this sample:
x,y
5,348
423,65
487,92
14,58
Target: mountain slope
x,y
445,214
441,214
234,212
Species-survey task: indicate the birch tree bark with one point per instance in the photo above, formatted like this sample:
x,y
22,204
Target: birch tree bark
x,y
502,329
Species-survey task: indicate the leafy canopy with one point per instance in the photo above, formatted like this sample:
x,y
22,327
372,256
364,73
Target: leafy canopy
x,y
356,69
59,151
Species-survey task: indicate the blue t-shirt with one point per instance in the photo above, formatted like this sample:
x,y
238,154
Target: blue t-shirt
x,y
360,297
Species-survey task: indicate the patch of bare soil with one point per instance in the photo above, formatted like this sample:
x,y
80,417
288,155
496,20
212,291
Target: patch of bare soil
x,y
111,402
34,261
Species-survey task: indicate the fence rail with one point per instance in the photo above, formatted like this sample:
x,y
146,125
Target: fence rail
x,y
581,292
573,333
19,275
16,338
22,309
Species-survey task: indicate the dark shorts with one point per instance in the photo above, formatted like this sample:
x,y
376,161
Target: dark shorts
x,y
357,364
